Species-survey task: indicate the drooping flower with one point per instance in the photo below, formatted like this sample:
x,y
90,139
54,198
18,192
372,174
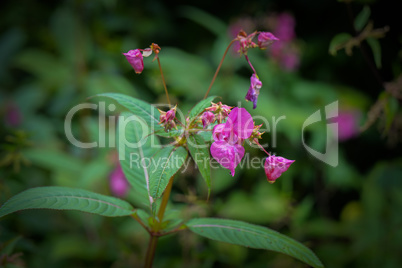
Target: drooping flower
x,y
227,147
207,119
274,167
118,183
254,90
134,57
265,39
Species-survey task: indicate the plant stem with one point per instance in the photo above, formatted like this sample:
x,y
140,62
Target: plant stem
x,y
151,251
369,62
250,64
165,200
256,141
155,231
163,81
219,67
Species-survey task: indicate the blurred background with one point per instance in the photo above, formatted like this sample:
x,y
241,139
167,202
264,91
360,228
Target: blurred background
x,y
56,54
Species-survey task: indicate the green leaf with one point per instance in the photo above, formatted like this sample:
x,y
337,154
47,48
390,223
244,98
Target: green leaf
x,y
136,148
337,42
54,197
54,160
362,18
199,150
253,236
171,133
164,165
200,107
138,107
376,49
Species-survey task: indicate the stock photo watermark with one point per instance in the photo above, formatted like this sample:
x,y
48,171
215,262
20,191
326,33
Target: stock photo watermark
x,y
112,133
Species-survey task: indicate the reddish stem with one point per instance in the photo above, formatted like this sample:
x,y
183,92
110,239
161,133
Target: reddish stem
x,y
219,67
163,80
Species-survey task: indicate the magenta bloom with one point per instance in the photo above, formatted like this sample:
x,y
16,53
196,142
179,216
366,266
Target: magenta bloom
x,y
135,58
274,167
348,124
265,39
227,148
207,119
254,90
285,29
118,183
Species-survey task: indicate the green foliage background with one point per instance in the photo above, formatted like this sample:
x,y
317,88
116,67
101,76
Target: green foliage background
x,y
55,54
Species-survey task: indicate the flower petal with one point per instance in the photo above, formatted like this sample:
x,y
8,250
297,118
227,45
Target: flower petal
x,y
239,123
228,155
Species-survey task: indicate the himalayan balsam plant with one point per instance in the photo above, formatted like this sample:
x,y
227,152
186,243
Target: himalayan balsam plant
x,y
229,128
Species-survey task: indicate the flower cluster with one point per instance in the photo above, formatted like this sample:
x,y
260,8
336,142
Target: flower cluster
x,y
246,41
235,125
217,112
227,148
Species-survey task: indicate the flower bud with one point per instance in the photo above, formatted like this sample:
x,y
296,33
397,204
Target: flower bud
x,y
207,119
171,114
274,167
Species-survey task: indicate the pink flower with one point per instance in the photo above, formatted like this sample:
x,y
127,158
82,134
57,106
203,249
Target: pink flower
x,y
285,27
227,148
286,52
134,57
265,39
348,124
274,167
254,90
118,182
207,119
